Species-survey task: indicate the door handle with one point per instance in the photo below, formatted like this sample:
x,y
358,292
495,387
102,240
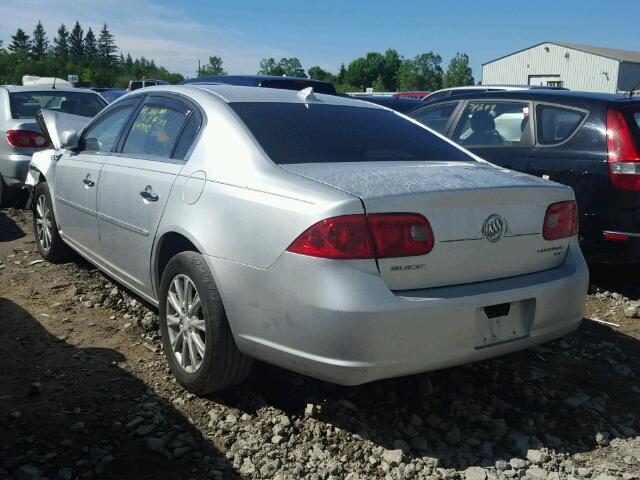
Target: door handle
x,y
149,195
88,182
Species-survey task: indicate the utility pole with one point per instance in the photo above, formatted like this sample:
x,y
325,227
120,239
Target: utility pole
x,y
198,67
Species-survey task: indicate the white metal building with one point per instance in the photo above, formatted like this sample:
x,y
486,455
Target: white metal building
x,y
577,67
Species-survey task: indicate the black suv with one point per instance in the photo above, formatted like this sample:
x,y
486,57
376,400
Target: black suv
x,y
588,141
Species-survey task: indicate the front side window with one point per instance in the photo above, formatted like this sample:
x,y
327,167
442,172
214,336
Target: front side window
x,y
27,104
493,123
155,131
322,133
556,124
436,117
101,137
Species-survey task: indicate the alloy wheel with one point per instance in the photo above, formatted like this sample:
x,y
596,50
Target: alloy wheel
x,y
185,323
43,223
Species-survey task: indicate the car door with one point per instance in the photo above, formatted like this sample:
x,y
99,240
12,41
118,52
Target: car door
x,y
78,177
437,117
498,131
561,154
136,183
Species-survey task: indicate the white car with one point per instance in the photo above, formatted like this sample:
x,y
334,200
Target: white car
x,y
324,234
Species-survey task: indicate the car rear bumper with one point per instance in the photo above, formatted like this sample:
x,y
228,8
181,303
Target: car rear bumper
x,y
613,251
14,169
337,321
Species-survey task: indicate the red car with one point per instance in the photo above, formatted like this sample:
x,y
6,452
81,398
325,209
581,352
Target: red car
x,y
417,94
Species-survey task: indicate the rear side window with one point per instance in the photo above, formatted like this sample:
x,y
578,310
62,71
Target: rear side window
x,y
494,123
27,104
556,124
155,131
187,137
436,117
321,133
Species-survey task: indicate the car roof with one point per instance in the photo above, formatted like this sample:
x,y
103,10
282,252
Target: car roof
x,y
541,94
396,103
238,94
507,87
45,88
253,79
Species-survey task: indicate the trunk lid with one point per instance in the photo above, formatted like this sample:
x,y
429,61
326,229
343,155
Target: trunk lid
x,y
487,221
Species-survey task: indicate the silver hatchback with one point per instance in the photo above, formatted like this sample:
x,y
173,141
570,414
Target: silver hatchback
x,y
323,234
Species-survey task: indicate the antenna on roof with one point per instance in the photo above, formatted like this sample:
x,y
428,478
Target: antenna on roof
x,y
53,87
307,95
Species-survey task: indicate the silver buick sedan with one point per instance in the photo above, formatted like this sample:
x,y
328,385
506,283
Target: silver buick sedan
x,y
326,235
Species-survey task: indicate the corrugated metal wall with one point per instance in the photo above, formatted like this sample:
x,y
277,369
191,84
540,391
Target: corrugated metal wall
x,y
629,76
578,70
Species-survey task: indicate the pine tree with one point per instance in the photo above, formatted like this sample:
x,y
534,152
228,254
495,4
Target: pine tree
x,y
106,46
20,42
61,43
90,46
76,42
40,44
341,73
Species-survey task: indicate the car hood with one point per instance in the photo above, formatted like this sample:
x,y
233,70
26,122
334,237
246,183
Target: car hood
x,y
53,124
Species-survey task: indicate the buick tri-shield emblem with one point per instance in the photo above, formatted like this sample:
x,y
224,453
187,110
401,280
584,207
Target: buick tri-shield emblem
x,y
494,227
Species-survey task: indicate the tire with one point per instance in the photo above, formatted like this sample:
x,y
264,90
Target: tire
x,y
45,228
222,366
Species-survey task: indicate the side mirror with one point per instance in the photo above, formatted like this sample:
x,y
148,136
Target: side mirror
x,y
69,139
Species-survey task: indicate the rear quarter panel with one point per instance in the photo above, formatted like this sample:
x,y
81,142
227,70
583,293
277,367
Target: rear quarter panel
x,y
250,210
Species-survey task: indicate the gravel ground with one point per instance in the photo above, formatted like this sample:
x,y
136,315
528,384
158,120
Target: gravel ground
x,y
85,392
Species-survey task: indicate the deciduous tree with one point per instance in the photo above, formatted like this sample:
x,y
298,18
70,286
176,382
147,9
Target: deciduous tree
x,y
421,73
214,67
458,72
318,73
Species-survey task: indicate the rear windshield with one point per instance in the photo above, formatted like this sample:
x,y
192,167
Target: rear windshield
x,y
314,133
27,104
289,84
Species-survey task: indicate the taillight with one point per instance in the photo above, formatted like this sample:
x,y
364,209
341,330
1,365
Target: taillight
x,y
560,221
615,236
400,234
360,236
624,159
26,139
347,236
